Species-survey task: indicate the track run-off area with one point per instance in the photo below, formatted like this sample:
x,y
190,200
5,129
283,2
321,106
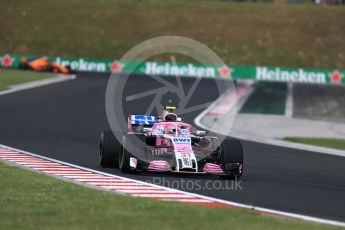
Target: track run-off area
x,y
63,121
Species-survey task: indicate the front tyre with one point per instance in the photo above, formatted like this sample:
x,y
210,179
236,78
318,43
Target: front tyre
x,y
109,149
128,163
231,157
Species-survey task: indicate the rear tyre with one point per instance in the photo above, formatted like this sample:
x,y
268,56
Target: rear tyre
x,y
231,157
109,149
128,163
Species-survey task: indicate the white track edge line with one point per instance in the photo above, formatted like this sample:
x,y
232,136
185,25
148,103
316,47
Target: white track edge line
x,y
260,209
39,83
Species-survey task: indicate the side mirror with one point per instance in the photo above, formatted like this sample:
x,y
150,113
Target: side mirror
x,y
201,133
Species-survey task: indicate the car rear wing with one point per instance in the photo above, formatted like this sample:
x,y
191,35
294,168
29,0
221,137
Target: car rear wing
x,y
140,121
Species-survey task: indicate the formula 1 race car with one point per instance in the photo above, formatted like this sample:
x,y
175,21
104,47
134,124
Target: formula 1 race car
x,y
166,144
42,64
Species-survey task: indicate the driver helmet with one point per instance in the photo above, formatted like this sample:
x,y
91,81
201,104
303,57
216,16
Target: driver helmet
x,y
170,117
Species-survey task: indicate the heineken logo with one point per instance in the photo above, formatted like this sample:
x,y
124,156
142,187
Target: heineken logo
x,y
298,75
116,67
336,77
83,65
225,71
188,70
6,60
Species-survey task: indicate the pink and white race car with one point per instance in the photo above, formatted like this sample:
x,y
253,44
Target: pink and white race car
x,y
166,144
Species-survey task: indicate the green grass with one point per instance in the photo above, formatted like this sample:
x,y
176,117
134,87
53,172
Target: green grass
x,y
13,77
30,200
323,142
303,35
267,98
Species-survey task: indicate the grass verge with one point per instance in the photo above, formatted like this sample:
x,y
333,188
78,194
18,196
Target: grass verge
x,y
323,142
267,98
13,77
29,200
301,35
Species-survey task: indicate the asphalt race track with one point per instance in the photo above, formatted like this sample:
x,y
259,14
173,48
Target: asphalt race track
x,y
63,121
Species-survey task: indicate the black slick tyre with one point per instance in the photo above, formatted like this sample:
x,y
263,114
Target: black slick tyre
x,y
109,149
231,158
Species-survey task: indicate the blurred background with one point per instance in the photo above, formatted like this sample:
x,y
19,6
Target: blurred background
x,y
279,33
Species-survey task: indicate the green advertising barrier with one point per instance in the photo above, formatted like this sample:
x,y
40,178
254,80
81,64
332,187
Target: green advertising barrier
x,y
259,73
